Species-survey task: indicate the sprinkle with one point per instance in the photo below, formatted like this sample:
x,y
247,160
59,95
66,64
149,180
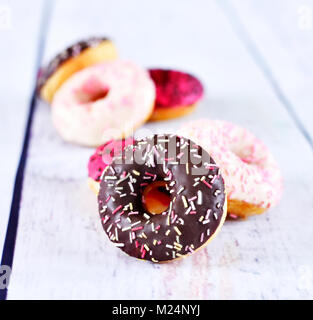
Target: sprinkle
x,y
188,210
192,205
184,201
105,219
169,246
119,244
131,186
205,221
136,244
177,230
107,199
117,209
133,212
180,155
136,173
187,168
207,184
154,260
215,215
135,223
158,227
155,242
110,178
103,209
125,229
137,228
201,218
208,232
143,254
193,212
167,232
123,179
146,216
109,228
208,214
146,247
180,190
199,201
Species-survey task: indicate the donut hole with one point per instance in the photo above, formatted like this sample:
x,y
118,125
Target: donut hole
x,y
245,155
156,198
92,96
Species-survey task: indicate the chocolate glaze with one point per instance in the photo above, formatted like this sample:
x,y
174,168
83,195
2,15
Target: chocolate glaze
x,y
70,52
173,233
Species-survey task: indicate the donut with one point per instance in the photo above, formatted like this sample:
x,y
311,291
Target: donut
x,y
177,93
74,58
253,179
191,181
102,157
103,102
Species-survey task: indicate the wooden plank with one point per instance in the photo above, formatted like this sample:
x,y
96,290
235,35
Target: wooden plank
x,y
61,251
282,34
17,64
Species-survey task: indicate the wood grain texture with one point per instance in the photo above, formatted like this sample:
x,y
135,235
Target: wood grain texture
x,y
61,250
282,36
17,64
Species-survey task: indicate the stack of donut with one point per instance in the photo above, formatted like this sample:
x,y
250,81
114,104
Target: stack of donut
x,y
165,196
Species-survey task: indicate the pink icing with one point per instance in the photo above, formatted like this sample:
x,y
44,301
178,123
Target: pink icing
x,y
175,88
103,156
250,172
103,102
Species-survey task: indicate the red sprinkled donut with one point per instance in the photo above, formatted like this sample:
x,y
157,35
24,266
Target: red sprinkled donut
x,y
177,93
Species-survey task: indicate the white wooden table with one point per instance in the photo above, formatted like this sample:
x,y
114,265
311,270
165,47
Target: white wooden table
x,y
255,59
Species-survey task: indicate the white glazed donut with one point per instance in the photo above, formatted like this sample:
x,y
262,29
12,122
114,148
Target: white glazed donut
x,y
252,177
102,102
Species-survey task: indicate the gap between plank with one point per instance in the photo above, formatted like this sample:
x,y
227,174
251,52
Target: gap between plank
x,y
260,61
10,238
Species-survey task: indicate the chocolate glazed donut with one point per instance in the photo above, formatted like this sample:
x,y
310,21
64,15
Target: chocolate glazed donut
x,y
72,59
197,206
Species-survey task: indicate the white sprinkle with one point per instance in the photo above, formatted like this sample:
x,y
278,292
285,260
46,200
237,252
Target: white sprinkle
x,y
131,186
177,231
199,201
180,190
119,244
192,205
146,216
184,201
109,228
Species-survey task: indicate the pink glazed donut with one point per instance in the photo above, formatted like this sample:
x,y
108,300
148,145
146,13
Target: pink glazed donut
x,y
102,102
103,157
252,177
